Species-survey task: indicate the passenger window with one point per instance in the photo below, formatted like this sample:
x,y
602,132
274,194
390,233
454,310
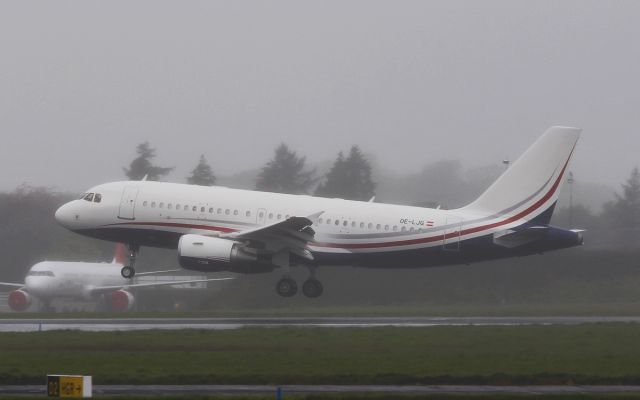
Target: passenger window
x,y
186,207
279,216
270,215
395,228
378,226
404,228
361,225
178,207
337,222
219,210
345,223
370,226
386,227
235,212
153,204
210,210
169,206
320,220
248,213
161,205
97,198
286,216
261,215
328,221
194,208
144,203
411,229
201,209
227,212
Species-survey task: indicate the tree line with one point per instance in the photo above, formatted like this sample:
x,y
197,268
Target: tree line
x,y
349,177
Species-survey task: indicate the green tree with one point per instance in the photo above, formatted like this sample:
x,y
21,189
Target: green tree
x,y
623,213
349,178
285,173
202,174
142,165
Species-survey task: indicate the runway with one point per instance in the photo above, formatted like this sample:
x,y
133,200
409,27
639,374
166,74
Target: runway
x,y
154,390
131,324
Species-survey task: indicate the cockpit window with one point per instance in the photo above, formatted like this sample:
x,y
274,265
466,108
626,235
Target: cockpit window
x,y
97,198
40,273
88,197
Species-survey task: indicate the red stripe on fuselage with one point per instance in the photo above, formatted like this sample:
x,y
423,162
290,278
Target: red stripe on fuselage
x,y
181,225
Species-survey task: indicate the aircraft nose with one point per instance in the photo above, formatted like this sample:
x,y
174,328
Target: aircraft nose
x,y
65,215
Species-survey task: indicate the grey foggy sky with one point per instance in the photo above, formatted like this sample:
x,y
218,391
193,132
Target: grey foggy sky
x,y
82,83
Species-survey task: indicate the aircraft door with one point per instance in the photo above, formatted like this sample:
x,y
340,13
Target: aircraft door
x,y
451,236
128,203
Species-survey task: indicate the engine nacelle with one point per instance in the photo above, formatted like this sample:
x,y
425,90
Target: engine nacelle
x,y
209,254
19,300
121,300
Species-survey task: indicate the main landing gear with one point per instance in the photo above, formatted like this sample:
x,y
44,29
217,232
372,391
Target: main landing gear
x,y
312,288
129,271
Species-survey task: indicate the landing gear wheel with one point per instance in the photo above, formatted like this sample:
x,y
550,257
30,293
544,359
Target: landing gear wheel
x,y
312,288
287,287
127,272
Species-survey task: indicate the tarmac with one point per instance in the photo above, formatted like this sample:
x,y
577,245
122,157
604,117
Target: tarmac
x,y
131,324
308,389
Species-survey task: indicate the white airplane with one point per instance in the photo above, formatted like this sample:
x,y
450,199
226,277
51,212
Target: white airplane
x,y
49,280
222,229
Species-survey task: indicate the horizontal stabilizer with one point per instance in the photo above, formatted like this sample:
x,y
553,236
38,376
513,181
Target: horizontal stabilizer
x,y
516,238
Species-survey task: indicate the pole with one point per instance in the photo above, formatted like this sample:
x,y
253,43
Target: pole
x,y
570,181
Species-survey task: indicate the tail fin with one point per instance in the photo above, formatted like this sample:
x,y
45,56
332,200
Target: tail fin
x,y
530,186
120,254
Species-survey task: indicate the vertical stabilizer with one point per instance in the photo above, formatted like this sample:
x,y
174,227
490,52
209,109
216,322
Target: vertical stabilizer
x,y
531,185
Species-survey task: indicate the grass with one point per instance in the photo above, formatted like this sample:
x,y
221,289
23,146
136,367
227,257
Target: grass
x,y
584,354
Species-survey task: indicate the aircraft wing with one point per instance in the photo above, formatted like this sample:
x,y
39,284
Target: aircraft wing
x,y
98,289
291,234
18,285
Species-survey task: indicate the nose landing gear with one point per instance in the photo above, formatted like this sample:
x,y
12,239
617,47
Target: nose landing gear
x,y
129,271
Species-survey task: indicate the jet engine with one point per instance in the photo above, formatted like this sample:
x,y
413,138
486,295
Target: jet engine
x,y
209,254
121,300
19,300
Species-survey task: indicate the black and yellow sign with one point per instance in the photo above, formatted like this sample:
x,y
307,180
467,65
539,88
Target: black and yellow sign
x,y
65,386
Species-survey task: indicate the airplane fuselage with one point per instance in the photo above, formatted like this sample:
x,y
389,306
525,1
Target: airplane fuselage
x,y
347,232
71,280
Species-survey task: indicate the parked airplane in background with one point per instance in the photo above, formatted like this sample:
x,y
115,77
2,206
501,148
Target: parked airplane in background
x,y
222,229
49,280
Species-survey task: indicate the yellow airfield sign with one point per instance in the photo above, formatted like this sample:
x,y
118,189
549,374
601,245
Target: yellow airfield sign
x,y
69,386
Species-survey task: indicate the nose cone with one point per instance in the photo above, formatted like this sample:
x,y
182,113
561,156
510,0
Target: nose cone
x,y
65,215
